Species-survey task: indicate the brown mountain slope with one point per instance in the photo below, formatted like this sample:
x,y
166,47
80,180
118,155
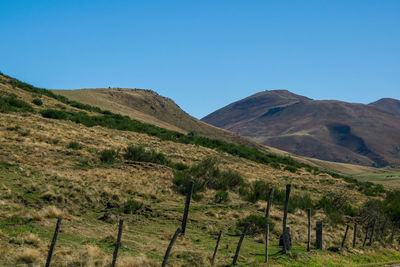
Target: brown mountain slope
x,y
149,107
387,104
328,130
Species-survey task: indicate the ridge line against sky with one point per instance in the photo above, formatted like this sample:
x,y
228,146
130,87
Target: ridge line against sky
x,y
207,54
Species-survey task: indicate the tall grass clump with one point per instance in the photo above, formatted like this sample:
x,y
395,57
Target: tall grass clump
x,y
257,224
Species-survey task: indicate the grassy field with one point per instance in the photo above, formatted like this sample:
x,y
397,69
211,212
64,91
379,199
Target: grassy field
x,y
51,168
391,179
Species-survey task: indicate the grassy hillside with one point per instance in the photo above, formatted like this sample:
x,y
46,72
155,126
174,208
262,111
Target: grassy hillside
x,y
149,107
62,158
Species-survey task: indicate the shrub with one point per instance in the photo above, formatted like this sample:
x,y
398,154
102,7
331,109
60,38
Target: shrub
x,y
108,156
335,206
74,145
257,190
37,102
131,206
207,174
257,224
54,114
139,153
221,196
12,104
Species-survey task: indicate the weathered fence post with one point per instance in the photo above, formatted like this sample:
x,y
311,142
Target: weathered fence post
x,y
392,235
309,229
382,237
355,235
118,243
371,238
240,244
216,248
345,235
171,244
187,204
318,243
366,235
53,242
285,233
267,244
271,196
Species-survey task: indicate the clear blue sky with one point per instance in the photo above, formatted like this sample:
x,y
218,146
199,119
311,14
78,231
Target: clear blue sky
x,y
206,54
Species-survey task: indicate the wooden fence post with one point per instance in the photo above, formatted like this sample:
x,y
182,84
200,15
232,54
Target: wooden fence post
x,y
366,235
355,235
271,196
319,240
285,233
267,244
187,204
371,238
53,242
345,235
392,235
171,244
216,248
240,244
118,243
309,230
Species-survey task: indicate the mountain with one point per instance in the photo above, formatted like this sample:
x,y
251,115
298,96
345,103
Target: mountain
x,y
389,105
324,129
149,107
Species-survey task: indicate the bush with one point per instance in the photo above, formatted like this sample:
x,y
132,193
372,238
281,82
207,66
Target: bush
x,y
12,104
54,114
207,174
139,153
74,145
257,190
257,224
131,206
335,206
221,196
37,102
108,156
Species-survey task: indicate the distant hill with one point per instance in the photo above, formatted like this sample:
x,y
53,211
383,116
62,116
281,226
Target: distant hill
x,y
329,130
149,107
387,104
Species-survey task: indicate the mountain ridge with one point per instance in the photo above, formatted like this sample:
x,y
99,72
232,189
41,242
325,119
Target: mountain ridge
x,y
326,129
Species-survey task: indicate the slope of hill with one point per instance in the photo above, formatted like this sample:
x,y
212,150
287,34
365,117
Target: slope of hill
x,y
149,107
328,130
389,105
53,164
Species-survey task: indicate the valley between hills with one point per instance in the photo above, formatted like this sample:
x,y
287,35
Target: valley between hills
x,y
93,160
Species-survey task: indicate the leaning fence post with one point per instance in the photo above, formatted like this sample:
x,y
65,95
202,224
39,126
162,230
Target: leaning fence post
x,y
216,248
240,244
345,235
53,242
285,238
309,229
187,204
118,243
178,231
318,229
266,244
271,196
355,235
